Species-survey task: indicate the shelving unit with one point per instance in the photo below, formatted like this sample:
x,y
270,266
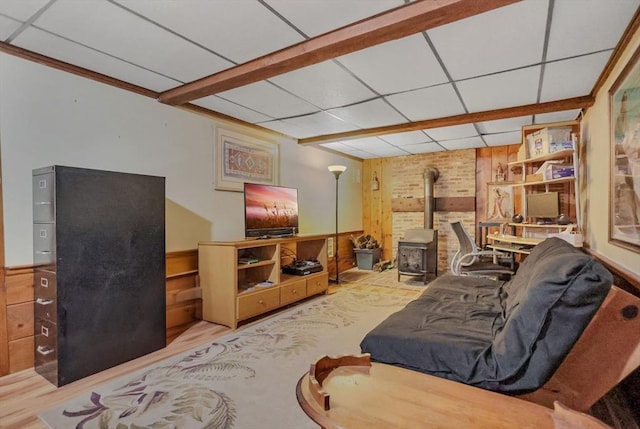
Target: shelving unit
x,y
233,291
530,234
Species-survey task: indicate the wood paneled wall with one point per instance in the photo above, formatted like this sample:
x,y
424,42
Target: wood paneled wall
x,y
184,307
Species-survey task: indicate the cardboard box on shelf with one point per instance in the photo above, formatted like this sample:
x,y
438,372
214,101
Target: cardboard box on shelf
x,y
533,178
542,141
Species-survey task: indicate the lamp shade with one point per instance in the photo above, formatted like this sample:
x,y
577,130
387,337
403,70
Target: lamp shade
x,y
337,170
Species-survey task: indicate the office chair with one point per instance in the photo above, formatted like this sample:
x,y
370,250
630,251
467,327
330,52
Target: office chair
x,y
471,261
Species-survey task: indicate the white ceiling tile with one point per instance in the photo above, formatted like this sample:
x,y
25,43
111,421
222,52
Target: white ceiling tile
x,y
325,84
285,128
269,100
389,151
366,143
435,102
361,154
468,143
572,78
369,114
220,105
108,28
502,125
573,28
395,66
423,148
21,9
315,17
238,30
501,39
514,88
65,50
450,133
402,139
341,147
502,139
7,27
565,115
319,123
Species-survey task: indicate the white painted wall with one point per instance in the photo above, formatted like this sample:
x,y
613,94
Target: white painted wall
x,y
48,117
596,138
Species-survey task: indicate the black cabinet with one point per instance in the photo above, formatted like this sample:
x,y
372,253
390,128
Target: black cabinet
x,y
99,256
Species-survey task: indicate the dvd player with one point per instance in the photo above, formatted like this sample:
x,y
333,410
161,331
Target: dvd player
x,y
302,268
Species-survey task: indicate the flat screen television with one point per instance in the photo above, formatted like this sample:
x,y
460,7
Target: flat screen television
x,y
270,211
543,207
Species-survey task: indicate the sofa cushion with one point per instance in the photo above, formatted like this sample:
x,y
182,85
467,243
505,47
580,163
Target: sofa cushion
x,y
444,330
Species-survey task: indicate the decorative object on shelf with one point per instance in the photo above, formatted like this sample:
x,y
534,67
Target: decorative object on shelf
x,y
375,184
624,105
240,158
499,202
516,170
563,219
500,173
517,218
337,170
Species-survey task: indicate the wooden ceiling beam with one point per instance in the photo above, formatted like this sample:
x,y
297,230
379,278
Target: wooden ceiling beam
x,y
466,118
403,21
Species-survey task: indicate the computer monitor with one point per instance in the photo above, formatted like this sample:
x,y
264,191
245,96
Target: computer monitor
x,y
543,207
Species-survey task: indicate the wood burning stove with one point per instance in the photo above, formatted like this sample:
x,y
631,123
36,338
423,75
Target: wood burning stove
x,y
418,253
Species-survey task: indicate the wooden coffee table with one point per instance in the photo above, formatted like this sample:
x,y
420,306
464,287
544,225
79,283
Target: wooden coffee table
x,y
351,392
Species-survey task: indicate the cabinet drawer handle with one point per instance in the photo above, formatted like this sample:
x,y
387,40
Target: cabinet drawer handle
x,y
44,350
45,331
43,301
294,291
261,302
43,252
43,203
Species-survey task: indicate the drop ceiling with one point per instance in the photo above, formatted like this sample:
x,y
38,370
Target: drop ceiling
x,y
395,96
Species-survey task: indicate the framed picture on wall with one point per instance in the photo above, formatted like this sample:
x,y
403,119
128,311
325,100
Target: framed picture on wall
x,y
240,158
624,203
499,202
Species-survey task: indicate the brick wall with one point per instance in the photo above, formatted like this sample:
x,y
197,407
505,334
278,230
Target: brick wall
x,y
457,179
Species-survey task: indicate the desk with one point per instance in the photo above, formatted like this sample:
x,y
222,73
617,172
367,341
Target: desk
x,y
483,231
376,396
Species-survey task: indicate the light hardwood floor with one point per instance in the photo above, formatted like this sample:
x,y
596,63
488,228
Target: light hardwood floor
x,y
25,394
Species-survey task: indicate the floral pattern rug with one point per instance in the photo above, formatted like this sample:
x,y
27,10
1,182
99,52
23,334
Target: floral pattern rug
x,y
244,380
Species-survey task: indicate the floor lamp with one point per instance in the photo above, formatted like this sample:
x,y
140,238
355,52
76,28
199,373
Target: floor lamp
x,y
337,170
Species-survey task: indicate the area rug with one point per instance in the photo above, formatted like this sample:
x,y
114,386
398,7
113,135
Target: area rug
x,y
244,380
387,278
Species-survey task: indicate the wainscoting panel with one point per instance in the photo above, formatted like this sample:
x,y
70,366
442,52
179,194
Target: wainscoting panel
x,y
184,307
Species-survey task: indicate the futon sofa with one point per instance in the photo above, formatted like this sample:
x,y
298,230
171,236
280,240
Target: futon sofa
x,y
503,336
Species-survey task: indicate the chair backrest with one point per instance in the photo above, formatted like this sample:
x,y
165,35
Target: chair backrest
x,y
467,245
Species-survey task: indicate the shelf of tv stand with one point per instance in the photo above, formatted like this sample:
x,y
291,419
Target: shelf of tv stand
x,y
262,263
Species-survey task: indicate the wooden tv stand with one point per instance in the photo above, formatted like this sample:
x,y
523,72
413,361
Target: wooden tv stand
x,y
243,279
